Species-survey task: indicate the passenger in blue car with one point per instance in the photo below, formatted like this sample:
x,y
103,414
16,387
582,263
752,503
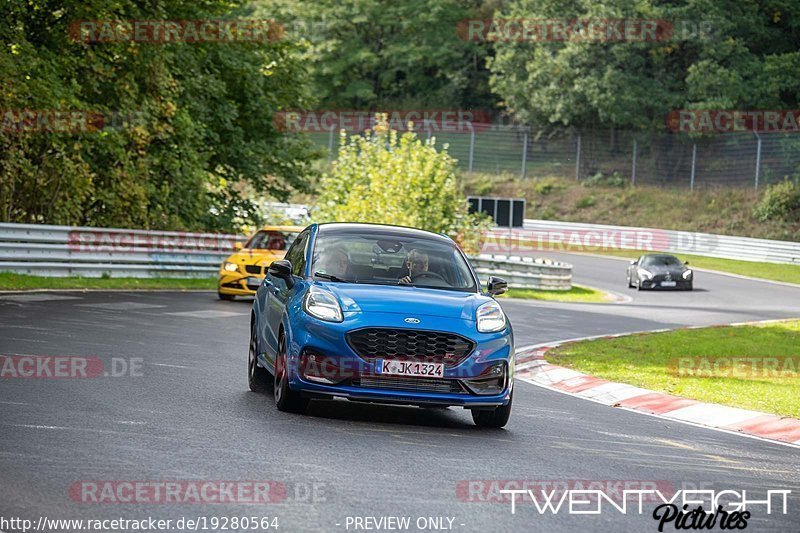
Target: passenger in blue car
x,y
417,263
336,263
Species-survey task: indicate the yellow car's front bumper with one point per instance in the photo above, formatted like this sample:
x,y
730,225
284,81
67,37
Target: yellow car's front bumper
x,y
235,283
250,265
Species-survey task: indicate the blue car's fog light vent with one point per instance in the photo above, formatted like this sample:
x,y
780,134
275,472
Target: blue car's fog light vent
x,y
450,386
437,346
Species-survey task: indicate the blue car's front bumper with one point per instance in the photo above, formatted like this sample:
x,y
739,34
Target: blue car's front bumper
x,y
327,339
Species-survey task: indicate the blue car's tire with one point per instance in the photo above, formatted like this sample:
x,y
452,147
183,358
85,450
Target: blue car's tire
x,y
257,377
496,418
286,399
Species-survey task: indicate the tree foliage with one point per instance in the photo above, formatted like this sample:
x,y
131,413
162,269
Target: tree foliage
x,y
366,54
197,126
385,177
722,54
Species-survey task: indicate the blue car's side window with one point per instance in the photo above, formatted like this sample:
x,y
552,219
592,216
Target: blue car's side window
x,y
297,254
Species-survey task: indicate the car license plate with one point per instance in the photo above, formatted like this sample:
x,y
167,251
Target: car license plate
x,y
253,282
409,368
667,283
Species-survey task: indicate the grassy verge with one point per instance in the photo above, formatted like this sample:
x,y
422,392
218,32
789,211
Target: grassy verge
x,y
681,363
722,210
772,271
576,294
9,281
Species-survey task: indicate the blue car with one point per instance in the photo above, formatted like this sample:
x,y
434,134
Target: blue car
x,y
383,314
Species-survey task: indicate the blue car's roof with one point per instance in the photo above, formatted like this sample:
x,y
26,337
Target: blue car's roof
x,y
333,228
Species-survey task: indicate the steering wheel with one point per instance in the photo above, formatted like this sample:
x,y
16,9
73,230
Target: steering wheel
x,y
428,275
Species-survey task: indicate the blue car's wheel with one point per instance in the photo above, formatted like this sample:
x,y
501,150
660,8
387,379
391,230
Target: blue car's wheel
x,y
257,377
285,398
496,418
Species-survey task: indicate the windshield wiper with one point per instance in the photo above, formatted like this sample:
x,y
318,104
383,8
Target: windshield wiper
x,y
331,277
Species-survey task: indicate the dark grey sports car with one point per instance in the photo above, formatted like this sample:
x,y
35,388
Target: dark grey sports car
x,y
660,271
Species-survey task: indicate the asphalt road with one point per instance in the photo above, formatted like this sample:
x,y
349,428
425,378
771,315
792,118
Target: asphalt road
x,y
187,415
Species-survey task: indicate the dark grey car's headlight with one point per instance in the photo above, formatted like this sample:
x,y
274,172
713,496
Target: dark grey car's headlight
x,y
687,274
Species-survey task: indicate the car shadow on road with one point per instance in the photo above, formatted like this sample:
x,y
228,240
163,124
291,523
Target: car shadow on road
x,y
452,418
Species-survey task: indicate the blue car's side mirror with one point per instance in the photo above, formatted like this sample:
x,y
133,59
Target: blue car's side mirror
x,y
282,269
496,286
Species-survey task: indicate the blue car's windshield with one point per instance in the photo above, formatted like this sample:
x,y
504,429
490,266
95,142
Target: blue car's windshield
x,y
391,260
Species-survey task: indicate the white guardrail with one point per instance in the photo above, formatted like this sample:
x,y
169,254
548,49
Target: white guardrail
x,y
524,272
543,236
93,252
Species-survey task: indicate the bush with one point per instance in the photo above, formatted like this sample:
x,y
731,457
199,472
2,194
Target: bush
x,y
780,201
545,186
586,201
386,178
602,180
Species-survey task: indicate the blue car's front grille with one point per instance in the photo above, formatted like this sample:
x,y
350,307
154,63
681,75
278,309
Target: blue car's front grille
x,y
447,386
397,343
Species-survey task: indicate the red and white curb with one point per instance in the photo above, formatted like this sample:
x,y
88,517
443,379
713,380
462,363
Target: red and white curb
x,y
532,367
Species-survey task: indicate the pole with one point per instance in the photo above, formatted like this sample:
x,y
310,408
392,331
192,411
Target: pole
x,y
578,160
633,169
471,146
758,157
330,144
524,152
694,160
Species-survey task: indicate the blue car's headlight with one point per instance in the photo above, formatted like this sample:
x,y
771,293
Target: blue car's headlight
x,y
321,304
490,317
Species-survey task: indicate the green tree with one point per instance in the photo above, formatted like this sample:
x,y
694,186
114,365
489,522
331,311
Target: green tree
x,y
385,177
199,126
366,54
722,54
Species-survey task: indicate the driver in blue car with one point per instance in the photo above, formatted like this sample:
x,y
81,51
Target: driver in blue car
x,y
336,263
417,263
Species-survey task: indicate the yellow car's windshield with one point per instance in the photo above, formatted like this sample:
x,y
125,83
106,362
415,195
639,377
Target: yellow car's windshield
x,y
271,240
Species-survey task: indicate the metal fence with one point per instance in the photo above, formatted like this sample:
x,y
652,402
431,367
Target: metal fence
x,y
524,272
666,159
542,236
93,252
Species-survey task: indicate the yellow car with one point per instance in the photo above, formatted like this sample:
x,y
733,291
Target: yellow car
x,y
242,272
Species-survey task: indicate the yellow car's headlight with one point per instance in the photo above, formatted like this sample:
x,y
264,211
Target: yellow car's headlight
x,y
230,267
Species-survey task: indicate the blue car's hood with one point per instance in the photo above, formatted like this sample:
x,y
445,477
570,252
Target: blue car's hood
x,y
411,301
